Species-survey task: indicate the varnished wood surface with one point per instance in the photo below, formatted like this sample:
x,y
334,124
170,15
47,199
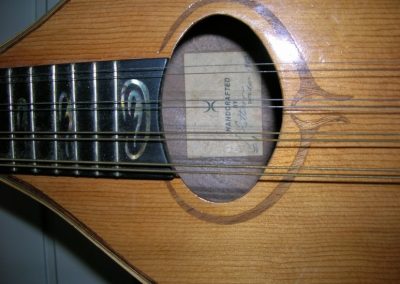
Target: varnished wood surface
x,y
321,230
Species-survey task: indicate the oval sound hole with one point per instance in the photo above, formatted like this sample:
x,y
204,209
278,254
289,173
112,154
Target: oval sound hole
x,y
219,109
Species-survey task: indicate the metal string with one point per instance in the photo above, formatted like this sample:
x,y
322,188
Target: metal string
x,y
217,100
161,139
192,165
33,79
394,110
206,172
159,133
265,64
177,136
141,76
299,108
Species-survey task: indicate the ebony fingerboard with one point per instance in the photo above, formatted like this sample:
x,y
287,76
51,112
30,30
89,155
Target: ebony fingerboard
x,y
98,119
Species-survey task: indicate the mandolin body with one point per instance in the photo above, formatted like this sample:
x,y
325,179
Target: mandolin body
x,y
309,229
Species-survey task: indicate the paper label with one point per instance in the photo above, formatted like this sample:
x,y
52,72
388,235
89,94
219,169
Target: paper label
x,y
223,105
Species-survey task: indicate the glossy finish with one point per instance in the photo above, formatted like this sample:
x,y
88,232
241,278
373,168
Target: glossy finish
x,y
320,228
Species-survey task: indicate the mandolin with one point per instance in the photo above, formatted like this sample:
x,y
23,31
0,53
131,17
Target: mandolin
x,y
226,141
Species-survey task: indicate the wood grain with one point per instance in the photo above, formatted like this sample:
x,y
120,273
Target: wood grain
x,y
324,231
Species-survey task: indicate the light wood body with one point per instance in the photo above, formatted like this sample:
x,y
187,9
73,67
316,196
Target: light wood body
x,y
321,230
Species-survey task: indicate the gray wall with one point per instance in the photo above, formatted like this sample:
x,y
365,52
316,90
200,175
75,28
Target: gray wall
x,y
36,246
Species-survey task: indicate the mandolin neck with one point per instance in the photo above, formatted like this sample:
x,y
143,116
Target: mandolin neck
x,y
83,119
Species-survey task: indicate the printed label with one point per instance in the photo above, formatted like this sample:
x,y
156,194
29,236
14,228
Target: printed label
x,y
223,105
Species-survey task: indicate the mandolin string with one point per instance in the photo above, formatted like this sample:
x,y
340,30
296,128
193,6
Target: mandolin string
x,y
296,109
137,76
288,109
191,165
24,78
217,100
28,80
259,65
104,137
336,98
240,139
76,166
37,161
207,132
159,133
299,108
203,132
15,163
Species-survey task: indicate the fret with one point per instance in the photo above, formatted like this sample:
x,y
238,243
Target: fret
x,y
137,91
65,122
54,114
11,114
115,112
21,114
95,114
74,115
62,91
5,146
133,99
105,111
32,116
85,114
19,86
43,114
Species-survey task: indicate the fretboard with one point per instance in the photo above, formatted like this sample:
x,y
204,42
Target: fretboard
x,y
83,119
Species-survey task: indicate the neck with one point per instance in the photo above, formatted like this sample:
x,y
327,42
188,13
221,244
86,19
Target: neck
x,y
84,119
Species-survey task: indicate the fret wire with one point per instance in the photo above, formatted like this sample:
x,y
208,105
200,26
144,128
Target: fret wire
x,y
78,168
115,112
230,166
11,110
95,113
55,120
75,121
32,116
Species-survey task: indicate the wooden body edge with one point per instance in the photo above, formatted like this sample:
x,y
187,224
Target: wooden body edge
x,y
46,201
10,43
